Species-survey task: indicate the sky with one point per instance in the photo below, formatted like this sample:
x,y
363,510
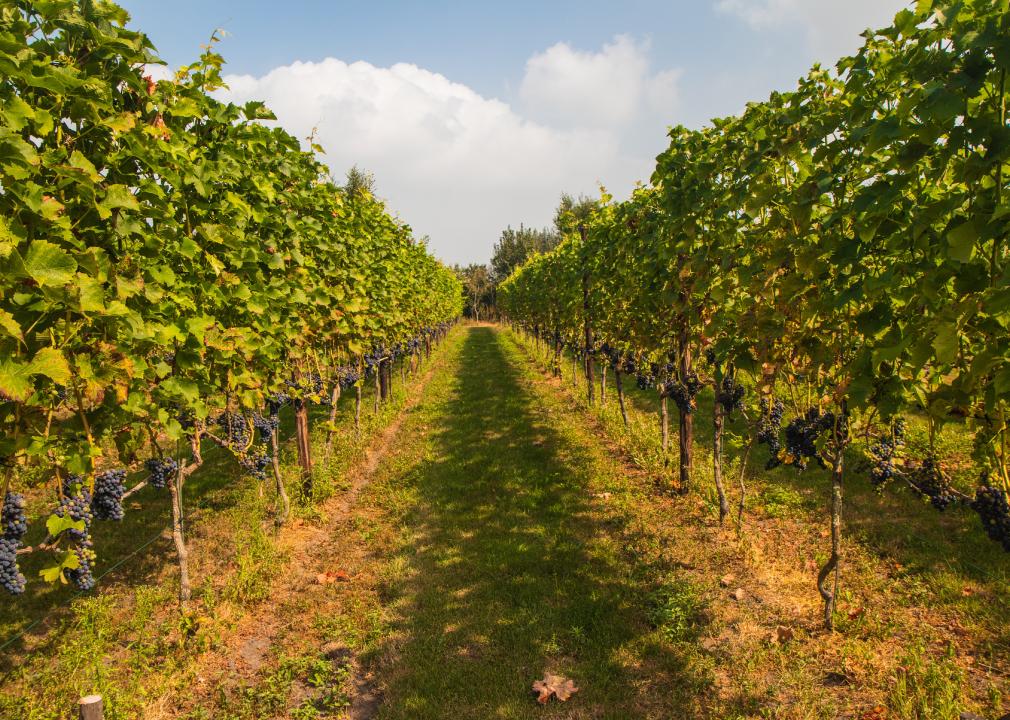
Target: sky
x,y
473,116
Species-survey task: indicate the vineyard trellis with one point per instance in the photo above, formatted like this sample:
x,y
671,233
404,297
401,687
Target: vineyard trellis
x,y
840,251
174,270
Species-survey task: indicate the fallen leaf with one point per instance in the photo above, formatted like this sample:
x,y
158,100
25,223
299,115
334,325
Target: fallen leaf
x,y
328,578
727,580
857,613
781,635
554,685
877,713
738,594
967,591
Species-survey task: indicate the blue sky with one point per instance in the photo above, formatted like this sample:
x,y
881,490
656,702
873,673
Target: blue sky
x,y
477,115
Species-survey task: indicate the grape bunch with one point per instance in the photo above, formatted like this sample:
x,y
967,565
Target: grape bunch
x,y
347,376
930,481
684,393
730,394
76,505
883,452
994,511
801,437
82,576
11,579
13,520
769,427
372,361
186,419
255,462
107,502
162,471
645,381
14,524
266,424
236,429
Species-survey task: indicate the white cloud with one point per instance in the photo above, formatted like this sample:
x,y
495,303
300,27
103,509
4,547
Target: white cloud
x,y
571,88
830,28
454,164
158,72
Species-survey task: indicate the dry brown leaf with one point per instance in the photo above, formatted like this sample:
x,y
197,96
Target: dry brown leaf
x,y
328,578
857,613
727,580
781,635
554,685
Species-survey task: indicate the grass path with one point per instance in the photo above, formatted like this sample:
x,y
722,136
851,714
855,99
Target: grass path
x,y
510,561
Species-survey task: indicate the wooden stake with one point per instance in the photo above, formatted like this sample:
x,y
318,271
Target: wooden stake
x,y
90,708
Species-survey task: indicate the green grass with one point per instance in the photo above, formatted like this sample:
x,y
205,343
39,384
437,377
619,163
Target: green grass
x,y
508,566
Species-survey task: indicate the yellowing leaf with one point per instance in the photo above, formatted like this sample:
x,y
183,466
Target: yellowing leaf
x,y
50,362
48,264
10,325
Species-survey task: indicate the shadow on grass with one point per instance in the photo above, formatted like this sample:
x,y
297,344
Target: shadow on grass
x,y
514,574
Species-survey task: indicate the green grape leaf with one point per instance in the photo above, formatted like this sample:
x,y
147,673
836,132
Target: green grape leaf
x,y
48,264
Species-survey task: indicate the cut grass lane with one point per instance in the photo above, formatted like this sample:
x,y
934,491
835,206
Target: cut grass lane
x,y
510,565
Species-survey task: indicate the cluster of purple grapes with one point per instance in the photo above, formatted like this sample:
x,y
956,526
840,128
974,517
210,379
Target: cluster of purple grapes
x,y
883,452
373,359
13,520
107,502
994,511
162,471
83,576
236,429
730,395
684,392
255,461
769,427
14,524
76,504
347,376
186,419
930,481
266,425
801,437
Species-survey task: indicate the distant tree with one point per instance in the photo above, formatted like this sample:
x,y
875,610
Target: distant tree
x,y
571,213
515,245
479,289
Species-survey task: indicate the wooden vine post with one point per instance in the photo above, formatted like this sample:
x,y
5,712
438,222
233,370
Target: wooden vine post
x,y
90,707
